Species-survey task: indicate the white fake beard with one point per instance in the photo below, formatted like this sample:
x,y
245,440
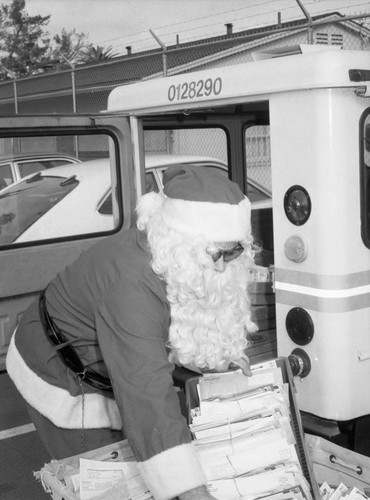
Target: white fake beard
x,y
210,315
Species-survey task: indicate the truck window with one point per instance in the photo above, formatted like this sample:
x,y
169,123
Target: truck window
x,y
61,191
365,177
192,143
259,189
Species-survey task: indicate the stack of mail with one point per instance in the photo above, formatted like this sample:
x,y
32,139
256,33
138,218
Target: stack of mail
x,y
244,437
341,492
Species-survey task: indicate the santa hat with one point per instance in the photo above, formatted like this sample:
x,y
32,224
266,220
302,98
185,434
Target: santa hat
x,y
200,201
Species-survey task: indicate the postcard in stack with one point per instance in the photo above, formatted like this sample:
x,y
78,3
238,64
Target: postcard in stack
x,y
244,436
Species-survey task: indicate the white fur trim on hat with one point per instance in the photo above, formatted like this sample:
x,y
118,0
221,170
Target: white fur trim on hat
x,y
217,222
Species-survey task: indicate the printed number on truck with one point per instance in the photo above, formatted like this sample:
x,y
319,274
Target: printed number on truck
x,y
195,89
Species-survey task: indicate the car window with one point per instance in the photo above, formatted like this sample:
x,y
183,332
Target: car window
x,y
25,202
255,194
150,183
31,167
106,208
6,176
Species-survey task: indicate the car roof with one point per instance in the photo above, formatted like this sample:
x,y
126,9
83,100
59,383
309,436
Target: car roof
x,y
99,167
155,160
33,156
151,161
82,170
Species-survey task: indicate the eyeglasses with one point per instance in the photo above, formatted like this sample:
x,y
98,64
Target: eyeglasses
x,y
228,255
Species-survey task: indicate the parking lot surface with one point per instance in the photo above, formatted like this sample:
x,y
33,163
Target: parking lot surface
x,y
21,452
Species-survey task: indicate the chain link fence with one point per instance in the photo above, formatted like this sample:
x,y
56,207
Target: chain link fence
x,y
85,89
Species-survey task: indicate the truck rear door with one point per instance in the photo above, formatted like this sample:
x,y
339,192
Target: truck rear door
x,y
49,217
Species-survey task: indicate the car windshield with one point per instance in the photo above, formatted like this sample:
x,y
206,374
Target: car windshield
x,y
25,202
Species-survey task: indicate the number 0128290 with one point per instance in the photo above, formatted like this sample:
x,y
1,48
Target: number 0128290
x,y
195,89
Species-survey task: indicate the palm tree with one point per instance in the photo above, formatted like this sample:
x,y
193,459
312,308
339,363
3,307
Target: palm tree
x,y
99,54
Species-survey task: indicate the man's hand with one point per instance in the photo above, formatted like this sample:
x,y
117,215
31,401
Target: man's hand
x,y
242,363
200,493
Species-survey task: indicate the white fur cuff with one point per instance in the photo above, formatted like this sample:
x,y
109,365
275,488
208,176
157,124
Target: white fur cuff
x,y
57,404
173,472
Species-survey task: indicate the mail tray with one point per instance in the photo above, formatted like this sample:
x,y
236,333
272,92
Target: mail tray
x,y
52,475
192,401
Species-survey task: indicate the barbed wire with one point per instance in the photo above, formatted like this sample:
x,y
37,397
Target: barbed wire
x,y
143,40
214,29
147,43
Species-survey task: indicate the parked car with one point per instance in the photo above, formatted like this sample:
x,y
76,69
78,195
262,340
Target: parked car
x,y
157,164
15,167
77,199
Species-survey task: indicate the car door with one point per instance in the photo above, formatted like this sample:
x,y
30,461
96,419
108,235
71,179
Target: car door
x,y
27,267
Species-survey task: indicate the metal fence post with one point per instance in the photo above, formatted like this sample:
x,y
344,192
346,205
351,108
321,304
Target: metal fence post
x,y
15,96
164,61
74,97
13,76
164,53
309,18
16,145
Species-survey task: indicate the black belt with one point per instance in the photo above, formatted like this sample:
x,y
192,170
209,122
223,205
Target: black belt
x,y
68,353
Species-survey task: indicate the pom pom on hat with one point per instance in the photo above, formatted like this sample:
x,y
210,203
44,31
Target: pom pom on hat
x,y
200,201
149,205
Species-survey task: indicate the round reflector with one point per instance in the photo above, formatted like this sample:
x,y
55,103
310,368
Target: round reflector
x,y
295,248
297,205
299,326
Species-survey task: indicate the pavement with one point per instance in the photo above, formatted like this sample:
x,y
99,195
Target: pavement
x,y
21,451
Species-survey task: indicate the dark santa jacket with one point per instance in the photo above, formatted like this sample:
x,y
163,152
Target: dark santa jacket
x,y
113,309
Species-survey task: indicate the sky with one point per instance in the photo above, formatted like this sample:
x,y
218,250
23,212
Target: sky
x,y
122,23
